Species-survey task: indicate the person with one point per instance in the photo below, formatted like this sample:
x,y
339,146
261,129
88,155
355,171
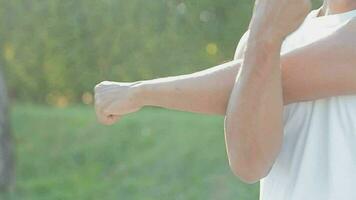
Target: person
x,y
288,98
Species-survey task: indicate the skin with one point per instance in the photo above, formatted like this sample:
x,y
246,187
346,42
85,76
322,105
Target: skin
x,y
337,6
251,90
253,122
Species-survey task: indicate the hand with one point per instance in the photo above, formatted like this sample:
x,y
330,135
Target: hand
x,y
115,99
276,19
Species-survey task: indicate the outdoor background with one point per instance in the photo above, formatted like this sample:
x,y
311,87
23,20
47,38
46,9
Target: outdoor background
x,y
53,52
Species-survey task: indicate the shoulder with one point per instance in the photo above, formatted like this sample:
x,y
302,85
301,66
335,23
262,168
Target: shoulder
x,y
241,46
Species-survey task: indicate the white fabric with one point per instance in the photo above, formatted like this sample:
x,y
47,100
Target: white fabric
x,y
318,156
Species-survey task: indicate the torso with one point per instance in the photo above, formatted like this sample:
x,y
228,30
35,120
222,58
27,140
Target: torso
x,y
318,156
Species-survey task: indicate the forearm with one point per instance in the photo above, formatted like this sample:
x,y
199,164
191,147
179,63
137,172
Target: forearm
x,y
322,69
205,91
253,121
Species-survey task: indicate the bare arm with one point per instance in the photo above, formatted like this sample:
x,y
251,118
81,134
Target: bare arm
x,y
324,68
206,91
254,116
253,120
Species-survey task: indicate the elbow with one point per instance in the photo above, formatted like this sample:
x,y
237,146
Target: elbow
x,y
249,172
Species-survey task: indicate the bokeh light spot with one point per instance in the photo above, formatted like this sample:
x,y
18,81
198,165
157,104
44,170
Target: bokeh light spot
x,y
9,52
62,102
87,98
212,49
57,99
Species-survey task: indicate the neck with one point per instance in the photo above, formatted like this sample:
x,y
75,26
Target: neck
x,y
330,7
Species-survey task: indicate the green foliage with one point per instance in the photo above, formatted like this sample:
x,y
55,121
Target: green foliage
x,y
152,154
61,48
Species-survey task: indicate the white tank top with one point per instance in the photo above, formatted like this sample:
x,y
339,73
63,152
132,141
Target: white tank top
x,y
318,156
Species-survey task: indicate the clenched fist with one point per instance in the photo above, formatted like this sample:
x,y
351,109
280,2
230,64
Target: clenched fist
x,y
115,99
278,18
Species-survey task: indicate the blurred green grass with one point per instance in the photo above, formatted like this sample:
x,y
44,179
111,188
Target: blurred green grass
x,y
152,154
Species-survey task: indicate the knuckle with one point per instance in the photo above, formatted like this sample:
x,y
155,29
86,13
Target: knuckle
x,y
97,97
106,111
99,85
96,89
97,102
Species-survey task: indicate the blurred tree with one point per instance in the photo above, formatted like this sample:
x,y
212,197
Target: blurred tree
x,y
6,155
56,51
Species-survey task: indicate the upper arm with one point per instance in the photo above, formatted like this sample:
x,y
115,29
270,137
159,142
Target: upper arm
x,y
324,68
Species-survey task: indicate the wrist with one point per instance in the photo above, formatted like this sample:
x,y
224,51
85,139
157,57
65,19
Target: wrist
x,y
259,53
140,92
262,48
265,42
270,35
